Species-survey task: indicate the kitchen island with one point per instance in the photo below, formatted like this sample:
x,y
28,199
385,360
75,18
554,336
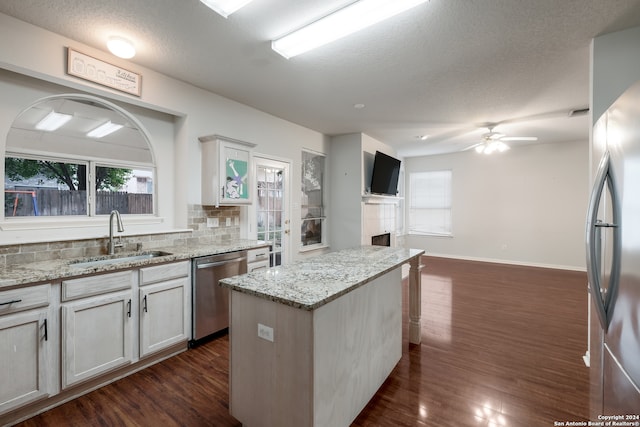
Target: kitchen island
x,y
311,342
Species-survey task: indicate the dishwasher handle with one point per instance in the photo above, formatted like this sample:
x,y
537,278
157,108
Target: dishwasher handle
x,y
219,263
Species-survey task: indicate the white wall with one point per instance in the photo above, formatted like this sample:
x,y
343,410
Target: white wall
x,y
524,206
615,66
195,112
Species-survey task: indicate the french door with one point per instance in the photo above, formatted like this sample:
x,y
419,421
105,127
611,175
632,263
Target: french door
x,y
272,216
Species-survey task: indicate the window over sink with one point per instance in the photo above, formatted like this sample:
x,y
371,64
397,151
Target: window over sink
x,y
66,169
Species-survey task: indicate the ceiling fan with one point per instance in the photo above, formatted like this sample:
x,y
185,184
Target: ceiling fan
x,y
495,141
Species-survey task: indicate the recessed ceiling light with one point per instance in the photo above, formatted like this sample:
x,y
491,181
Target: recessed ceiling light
x,y
422,137
53,121
351,18
358,106
121,47
225,7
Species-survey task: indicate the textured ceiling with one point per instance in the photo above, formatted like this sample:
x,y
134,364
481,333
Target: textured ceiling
x,y
445,68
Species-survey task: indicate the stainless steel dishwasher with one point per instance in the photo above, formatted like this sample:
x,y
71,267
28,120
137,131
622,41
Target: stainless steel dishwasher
x,y
210,300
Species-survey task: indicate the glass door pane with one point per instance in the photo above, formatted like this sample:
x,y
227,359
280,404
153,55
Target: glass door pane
x,y
270,205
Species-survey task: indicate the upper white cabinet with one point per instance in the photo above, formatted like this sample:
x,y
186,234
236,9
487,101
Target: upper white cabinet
x,y
226,171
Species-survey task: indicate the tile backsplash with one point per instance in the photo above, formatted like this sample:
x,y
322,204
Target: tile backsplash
x,y
202,233
197,221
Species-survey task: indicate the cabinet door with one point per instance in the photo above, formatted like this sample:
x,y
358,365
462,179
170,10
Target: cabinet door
x,y
226,171
96,336
163,315
23,353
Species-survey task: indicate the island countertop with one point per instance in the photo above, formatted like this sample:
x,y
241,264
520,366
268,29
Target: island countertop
x,y
313,282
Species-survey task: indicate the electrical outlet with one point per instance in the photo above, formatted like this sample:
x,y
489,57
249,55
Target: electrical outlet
x,y
228,222
265,332
213,222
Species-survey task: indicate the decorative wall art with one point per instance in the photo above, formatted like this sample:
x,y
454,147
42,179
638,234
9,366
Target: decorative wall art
x,y
94,70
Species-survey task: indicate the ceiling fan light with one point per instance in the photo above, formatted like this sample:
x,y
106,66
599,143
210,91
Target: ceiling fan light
x,y
225,8
351,18
121,47
502,147
480,148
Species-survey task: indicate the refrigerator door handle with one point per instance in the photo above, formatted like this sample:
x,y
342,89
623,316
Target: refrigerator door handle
x,y
604,307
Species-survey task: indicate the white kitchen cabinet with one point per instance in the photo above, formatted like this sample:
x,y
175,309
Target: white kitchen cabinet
x,y
164,306
26,340
96,329
226,171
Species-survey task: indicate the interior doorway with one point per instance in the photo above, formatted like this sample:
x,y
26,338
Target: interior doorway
x,y
272,215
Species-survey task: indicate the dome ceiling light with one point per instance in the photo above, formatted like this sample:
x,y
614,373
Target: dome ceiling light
x,y
121,47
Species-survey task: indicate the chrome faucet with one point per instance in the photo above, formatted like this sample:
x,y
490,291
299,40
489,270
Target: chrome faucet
x,y
112,246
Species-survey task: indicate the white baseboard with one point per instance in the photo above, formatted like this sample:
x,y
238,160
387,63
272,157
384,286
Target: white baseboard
x,y
509,262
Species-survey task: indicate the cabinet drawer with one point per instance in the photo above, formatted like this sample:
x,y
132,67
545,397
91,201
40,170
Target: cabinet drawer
x,y
24,298
159,273
258,254
258,265
97,285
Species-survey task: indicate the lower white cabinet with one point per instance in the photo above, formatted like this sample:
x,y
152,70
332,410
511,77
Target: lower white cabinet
x,y
114,319
25,348
96,335
54,337
164,306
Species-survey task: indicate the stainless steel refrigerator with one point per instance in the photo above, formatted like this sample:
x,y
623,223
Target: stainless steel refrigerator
x,y
613,261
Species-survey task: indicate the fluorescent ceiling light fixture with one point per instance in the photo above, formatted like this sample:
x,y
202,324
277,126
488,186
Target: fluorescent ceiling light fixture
x,y
354,17
53,121
104,130
225,7
121,47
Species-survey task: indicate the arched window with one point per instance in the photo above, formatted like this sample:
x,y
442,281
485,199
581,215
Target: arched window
x,y
78,155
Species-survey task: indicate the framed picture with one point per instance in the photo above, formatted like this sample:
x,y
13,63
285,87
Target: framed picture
x,y
236,184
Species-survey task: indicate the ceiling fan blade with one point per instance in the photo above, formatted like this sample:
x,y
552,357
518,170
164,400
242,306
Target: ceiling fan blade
x,y
519,138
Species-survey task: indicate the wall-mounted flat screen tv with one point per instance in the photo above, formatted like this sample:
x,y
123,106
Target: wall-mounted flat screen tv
x,y
384,178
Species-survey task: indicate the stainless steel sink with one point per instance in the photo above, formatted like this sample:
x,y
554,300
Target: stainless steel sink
x,y
116,259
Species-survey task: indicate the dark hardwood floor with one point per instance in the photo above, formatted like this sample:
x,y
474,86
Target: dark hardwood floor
x,y
501,346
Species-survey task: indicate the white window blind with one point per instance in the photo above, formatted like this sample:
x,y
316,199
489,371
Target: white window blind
x,y
430,203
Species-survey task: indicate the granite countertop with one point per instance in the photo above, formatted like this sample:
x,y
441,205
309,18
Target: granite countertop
x,y
21,274
313,282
